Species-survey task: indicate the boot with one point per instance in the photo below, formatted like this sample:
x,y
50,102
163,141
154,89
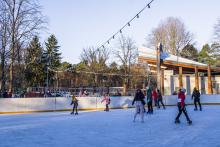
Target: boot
x,y
189,122
177,121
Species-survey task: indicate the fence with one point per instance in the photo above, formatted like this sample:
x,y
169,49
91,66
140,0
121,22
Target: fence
x,y
17,105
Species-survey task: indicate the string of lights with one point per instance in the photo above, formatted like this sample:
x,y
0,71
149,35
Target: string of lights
x,y
128,24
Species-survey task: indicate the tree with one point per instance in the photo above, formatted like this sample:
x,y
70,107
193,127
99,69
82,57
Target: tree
x,y
215,47
172,34
217,32
4,22
24,21
205,56
126,53
52,56
190,52
96,60
34,71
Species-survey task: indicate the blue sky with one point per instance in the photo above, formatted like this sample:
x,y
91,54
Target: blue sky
x,y
78,24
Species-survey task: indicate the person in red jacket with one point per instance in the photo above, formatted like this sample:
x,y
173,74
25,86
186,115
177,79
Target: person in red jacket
x,y
154,95
181,106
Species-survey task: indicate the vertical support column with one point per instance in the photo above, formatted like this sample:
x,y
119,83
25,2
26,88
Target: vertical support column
x,y
158,67
196,78
162,81
180,76
210,91
124,89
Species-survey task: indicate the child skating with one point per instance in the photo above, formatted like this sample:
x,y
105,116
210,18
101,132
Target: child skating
x,y
75,105
107,101
181,106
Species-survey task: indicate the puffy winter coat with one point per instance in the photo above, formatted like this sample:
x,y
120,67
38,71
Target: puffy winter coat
x,y
181,98
139,96
154,95
106,99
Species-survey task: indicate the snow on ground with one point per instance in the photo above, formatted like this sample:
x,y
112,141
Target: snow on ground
x,y
111,129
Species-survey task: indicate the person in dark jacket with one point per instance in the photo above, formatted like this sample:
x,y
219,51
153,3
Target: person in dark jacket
x,y
181,106
159,99
196,96
139,102
149,101
75,105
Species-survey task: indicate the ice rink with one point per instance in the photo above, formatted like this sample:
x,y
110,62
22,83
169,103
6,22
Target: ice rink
x,y
111,129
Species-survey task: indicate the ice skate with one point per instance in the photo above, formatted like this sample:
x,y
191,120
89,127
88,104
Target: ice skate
x,y
177,121
189,122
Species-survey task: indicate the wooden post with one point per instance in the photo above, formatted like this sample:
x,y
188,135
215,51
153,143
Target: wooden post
x,y
158,67
180,77
162,81
196,78
210,91
124,89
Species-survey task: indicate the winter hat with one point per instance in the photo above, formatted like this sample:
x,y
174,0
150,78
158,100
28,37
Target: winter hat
x,y
183,90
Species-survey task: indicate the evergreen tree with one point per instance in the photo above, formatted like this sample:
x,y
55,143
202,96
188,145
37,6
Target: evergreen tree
x,y
190,52
34,71
52,56
205,55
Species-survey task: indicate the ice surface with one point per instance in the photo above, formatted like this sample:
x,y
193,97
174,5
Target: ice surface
x,y
111,129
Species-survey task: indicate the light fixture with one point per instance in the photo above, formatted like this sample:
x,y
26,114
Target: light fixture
x,y
148,6
129,24
137,15
120,31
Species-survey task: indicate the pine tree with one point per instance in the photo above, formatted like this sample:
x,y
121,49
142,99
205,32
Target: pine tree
x,y
52,56
190,52
34,71
205,55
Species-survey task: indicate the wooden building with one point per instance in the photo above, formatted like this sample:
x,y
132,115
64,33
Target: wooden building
x,y
181,72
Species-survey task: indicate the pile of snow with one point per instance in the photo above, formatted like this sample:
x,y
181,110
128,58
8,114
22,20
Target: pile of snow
x,y
111,129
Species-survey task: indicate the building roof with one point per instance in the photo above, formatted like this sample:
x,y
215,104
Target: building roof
x,y
152,54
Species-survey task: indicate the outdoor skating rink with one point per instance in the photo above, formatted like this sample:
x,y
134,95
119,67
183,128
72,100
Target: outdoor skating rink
x,y
111,129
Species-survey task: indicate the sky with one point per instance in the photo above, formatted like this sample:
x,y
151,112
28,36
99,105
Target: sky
x,y
79,24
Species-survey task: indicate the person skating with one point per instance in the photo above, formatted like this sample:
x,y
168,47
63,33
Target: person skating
x,y
154,95
75,105
149,101
107,100
139,103
160,99
181,106
196,96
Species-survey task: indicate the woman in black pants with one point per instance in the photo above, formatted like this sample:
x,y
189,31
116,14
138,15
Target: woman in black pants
x,y
196,96
159,99
149,101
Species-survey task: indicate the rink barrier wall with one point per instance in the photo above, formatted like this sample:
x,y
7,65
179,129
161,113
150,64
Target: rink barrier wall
x,y
29,105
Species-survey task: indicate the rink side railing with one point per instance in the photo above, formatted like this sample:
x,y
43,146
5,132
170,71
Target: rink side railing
x,y
26,105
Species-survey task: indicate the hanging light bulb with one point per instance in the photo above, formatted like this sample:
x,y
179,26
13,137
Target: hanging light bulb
x,y
108,41
129,24
137,15
148,6
120,31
